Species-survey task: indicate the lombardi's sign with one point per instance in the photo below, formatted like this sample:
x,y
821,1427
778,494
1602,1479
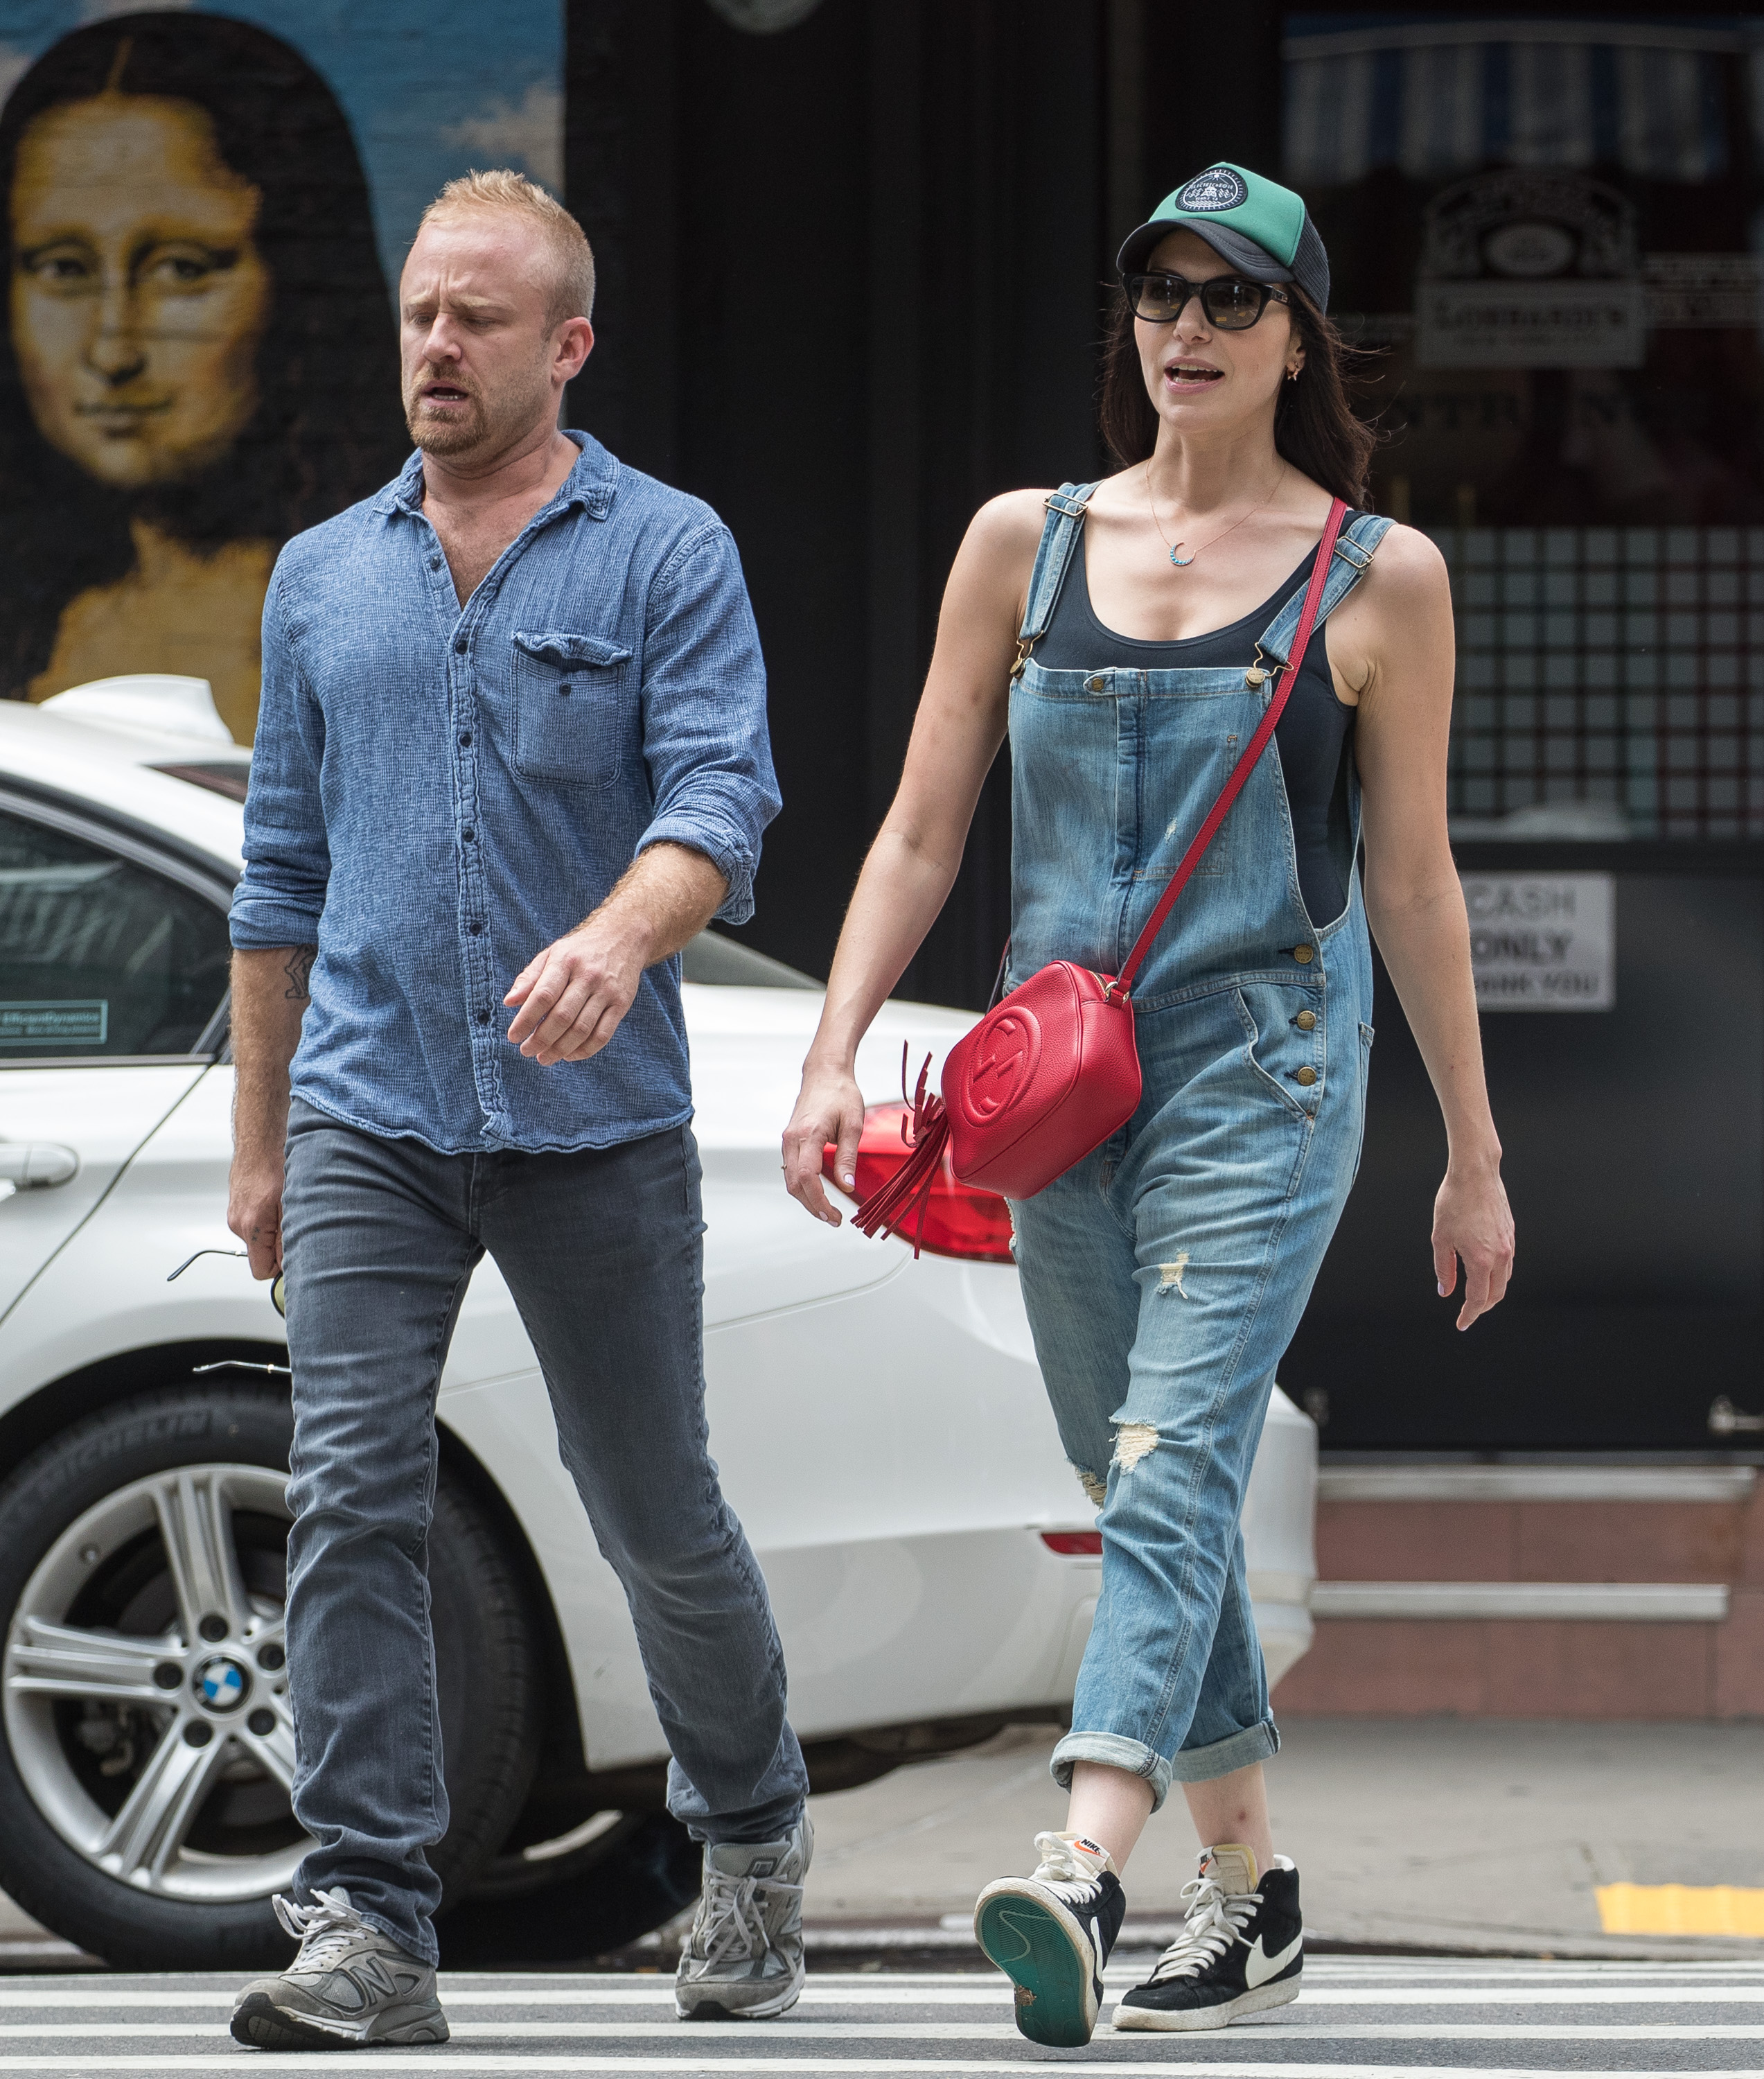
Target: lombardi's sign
x,y
1530,270
1542,942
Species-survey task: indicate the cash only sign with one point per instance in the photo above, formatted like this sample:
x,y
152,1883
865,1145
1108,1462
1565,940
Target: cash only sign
x,y
1542,942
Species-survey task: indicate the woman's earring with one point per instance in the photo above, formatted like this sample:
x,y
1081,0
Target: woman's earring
x,y
1292,375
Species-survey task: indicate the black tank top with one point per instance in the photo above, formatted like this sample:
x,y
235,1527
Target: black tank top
x,y
1315,732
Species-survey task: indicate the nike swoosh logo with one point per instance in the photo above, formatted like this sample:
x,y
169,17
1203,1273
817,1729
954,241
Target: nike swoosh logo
x,y
1259,1967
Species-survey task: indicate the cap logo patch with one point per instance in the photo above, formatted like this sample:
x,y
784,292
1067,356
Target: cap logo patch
x,y
1218,188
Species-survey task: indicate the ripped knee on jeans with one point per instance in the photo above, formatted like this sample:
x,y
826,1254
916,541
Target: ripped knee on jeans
x,y
1132,1442
1096,1489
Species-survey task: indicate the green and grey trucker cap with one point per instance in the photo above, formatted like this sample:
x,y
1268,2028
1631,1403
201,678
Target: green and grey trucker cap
x,y
1262,229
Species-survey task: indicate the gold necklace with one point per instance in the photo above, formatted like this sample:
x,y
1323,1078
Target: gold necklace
x,y
1182,563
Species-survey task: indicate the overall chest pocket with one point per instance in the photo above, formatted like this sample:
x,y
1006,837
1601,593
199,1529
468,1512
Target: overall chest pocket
x,y
576,707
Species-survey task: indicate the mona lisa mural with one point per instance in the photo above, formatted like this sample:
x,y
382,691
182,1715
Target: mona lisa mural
x,y
199,357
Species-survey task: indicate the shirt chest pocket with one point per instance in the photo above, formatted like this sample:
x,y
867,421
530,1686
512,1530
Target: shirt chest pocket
x,y
575,708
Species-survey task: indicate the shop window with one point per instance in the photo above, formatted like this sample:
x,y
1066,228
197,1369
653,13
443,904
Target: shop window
x,y
1546,234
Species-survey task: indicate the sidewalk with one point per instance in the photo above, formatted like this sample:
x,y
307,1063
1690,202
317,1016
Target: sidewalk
x,y
1477,1835
1468,1835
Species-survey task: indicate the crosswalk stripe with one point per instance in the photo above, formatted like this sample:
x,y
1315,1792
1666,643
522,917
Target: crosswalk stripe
x,y
416,2060
982,1991
1290,2025
1527,2022
1537,1996
1539,1967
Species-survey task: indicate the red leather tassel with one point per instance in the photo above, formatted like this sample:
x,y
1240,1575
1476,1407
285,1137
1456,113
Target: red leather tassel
x,y
903,1198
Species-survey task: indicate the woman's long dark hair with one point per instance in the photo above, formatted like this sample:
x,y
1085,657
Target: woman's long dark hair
x,y
329,427
1315,428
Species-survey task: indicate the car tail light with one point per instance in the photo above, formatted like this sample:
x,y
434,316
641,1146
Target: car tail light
x,y
958,1219
1075,1544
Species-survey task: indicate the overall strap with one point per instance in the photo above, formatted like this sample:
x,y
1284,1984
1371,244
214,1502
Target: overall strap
x,y
1059,536
1258,743
1355,547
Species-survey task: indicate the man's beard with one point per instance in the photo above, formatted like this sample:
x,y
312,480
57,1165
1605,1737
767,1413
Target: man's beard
x,y
457,432
482,424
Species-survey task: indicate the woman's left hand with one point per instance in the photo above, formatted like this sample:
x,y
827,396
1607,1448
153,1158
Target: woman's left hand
x,y
1473,1220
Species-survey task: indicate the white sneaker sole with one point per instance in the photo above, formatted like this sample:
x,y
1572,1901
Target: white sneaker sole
x,y
260,2024
711,1999
1275,1995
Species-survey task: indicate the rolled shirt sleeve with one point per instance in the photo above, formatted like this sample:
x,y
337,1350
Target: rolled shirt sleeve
x,y
280,897
706,742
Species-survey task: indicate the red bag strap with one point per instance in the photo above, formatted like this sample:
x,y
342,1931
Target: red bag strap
x,y
1253,750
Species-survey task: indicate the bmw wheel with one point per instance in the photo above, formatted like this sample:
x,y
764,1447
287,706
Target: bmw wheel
x,y
146,1741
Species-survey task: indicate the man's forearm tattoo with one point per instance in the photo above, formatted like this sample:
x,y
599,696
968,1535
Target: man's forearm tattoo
x,y
300,973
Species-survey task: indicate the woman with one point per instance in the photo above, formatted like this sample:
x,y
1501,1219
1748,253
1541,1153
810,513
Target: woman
x,y
1165,1274
200,358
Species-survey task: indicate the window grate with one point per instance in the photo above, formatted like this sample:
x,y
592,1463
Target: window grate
x,y
1609,681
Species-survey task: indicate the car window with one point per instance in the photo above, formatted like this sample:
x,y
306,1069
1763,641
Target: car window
x,y
711,958
99,955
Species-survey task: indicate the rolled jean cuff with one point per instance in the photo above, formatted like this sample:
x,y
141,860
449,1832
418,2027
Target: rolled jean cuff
x,y
1241,1749
1132,1756
1255,1743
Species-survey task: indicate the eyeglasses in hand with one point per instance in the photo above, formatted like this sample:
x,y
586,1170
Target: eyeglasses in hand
x,y
276,1292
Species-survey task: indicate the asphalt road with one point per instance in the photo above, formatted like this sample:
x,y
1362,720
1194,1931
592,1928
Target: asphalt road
x,y
1357,2015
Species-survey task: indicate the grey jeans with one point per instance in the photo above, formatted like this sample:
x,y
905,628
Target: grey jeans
x,y
602,1251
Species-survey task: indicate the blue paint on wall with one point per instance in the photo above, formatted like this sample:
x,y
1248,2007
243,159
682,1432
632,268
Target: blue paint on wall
x,y
431,87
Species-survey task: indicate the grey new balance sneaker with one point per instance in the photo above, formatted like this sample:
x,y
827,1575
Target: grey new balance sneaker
x,y
350,1988
743,1959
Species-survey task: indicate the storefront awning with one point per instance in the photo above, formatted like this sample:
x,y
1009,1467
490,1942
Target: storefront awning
x,y
1437,98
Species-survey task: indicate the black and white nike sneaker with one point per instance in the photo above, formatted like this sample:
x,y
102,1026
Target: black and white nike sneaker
x,y
1241,1948
1051,1933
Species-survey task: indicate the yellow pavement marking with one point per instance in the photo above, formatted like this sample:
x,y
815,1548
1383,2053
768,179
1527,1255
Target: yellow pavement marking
x,y
1628,1908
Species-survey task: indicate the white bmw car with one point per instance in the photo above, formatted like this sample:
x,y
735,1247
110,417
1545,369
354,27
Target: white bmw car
x,y
880,1424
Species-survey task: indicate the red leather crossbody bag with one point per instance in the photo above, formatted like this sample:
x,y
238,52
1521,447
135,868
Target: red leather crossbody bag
x,y
1052,1069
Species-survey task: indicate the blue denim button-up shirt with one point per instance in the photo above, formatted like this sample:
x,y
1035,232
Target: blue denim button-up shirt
x,y
437,793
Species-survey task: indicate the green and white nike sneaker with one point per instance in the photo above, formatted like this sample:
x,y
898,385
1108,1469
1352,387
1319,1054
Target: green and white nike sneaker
x,y
1241,1948
1051,1934
350,1988
743,1959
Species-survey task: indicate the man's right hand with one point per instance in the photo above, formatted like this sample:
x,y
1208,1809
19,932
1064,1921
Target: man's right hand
x,y
270,997
254,1214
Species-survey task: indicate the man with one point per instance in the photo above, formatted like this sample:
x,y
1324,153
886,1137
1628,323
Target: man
x,y
520,687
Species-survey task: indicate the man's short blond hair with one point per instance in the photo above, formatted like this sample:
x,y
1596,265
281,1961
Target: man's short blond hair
x,y
572,295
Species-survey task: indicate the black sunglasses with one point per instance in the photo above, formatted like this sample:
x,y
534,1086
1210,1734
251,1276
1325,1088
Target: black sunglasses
x,y
1231,303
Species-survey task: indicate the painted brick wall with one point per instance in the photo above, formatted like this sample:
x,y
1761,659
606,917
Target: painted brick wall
x,y
1504,1668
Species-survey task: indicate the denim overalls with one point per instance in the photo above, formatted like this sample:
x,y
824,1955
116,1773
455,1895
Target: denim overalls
x,y
1165,1274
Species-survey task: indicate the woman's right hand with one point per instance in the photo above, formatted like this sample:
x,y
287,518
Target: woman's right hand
x,y
913,865
830,1108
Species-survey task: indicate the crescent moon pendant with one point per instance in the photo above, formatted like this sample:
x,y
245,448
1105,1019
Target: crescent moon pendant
x,y
1181,563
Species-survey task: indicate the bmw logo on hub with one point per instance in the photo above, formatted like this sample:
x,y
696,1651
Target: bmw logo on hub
x,y
221,1683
